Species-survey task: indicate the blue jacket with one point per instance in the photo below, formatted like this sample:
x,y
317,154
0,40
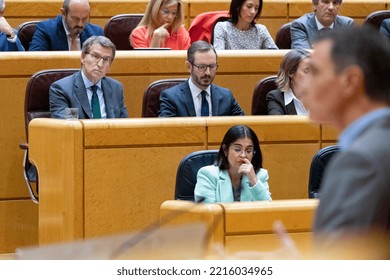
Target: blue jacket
x,y
6,45
177,102
304,30
70,92
50,35
214,185
385,27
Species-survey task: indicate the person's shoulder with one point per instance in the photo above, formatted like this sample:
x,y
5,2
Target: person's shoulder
x,y
304,18
221,89
49,23
176,88
93,28
263,174
345,20
275,93
211,170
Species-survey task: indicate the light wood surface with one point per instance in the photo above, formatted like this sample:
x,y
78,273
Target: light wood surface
x,y
111,176
247,226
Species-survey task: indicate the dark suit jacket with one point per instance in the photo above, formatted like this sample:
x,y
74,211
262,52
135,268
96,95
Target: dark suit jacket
x,y
275,103
304,30
385,27
5,45
177,102
355,191
50,35
70,92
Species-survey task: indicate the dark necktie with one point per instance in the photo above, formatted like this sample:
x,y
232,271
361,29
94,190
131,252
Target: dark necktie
x,y
325,31
204,109
95,104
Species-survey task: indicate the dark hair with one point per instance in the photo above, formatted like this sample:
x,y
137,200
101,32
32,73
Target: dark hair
x,y
102,41
199,46
370,51
232,135
235,8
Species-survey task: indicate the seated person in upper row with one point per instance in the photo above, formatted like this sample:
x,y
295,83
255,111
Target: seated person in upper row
x,y
89,90
161,27
198,96
66,32
241,32
306,29
385,27
238,174
286,100
9,40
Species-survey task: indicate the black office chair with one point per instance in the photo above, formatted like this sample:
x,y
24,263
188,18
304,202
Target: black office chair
x,y
259,101
119,27
317,168
36,105
375,18
283,37
188,170
151,99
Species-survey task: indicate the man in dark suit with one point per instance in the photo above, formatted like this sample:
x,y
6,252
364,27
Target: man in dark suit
x,y
385,27
9,40
306,29
89,90
67,31
349,87
198,96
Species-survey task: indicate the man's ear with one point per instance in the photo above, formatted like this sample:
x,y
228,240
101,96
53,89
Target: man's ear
x,y
189,66
63,12
352,80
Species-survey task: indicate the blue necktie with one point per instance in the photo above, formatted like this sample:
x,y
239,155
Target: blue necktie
x,y
204,109
96,114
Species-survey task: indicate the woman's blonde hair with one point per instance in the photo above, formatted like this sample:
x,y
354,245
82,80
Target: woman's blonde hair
x,y
150,19
289,66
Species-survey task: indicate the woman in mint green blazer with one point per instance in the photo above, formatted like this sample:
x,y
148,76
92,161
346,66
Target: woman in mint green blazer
x,y
238,174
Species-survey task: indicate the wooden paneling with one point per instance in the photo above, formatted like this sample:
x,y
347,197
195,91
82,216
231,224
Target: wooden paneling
x,y
248,226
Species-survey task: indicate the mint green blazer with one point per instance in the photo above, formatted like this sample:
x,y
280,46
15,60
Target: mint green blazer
x,y
214,185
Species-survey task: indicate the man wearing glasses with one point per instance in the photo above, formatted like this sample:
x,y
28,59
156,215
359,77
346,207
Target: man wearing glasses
x,y
89,90
197,96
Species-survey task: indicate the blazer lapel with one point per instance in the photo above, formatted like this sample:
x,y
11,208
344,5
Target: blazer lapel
x,y
245,193
81,94
187,99
107,94
215,99
62,42
225,187
291,108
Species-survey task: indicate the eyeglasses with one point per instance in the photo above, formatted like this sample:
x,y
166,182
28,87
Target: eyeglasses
x,y
248,152
167,12
203,67
97,58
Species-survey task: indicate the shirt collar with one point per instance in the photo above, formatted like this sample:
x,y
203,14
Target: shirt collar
x,y
66,28
320,26
88,83
195,91
288,97
349,134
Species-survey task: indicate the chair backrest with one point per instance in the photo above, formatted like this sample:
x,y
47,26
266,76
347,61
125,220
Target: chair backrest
x,y
317,168
119,27
375,18
202,25
259,101
151,99
36,102
283,37
188,170
26,32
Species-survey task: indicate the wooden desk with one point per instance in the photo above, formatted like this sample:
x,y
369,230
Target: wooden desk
x,y
246,226
111,176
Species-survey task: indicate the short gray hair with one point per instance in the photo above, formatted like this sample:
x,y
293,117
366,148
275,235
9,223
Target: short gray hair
x,y
102,41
